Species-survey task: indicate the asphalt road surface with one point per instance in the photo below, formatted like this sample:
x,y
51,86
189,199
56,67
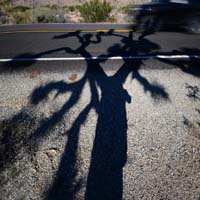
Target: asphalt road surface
x,y
92,112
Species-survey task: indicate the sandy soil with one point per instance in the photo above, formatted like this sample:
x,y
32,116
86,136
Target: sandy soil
x,y
76,2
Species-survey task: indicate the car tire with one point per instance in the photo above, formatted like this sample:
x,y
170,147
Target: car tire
x,y
149,23
193,25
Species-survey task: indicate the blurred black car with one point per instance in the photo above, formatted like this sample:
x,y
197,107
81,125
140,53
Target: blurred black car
x,y
161,14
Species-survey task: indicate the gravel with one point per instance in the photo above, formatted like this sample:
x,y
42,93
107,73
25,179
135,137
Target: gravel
x,y
141,136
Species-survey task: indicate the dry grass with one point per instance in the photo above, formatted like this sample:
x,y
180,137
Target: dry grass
x,y
115,3
48,11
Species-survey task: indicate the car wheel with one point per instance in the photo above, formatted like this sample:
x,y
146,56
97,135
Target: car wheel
x,y
193,25
149,23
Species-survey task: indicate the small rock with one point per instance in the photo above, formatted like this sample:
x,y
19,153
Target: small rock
x,y
34,74
73,77
51,153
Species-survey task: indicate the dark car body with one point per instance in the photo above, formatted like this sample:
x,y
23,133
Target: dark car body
x,y
169,13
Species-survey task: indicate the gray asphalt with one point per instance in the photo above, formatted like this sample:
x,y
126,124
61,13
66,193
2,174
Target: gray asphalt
x,y
53,27
124,129
54,44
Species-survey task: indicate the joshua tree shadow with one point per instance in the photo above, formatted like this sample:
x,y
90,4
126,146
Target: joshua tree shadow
x,y
105,179
108,157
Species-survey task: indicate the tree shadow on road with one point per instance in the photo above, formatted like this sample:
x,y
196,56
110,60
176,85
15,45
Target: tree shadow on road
x,y
109,152
190,65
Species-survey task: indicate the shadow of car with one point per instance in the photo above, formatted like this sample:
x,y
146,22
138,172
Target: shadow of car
x,y
164,14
